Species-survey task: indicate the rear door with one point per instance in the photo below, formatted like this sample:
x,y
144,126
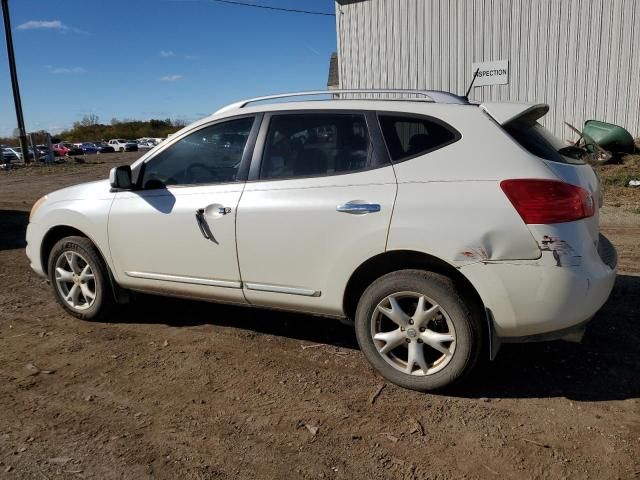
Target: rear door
x,y
318,203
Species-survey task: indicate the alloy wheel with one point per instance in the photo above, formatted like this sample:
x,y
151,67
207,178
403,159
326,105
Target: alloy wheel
x,y
75,280
413,333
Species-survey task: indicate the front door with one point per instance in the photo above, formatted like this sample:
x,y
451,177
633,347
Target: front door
x,y
176,233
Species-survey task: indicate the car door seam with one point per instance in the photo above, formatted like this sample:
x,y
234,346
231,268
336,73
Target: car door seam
x,y
393,207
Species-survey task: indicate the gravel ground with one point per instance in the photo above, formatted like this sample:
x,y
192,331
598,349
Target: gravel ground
x,y
171,388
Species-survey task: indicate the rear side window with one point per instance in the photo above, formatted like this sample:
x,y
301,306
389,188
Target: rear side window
x,y
407,136
539,141
315,144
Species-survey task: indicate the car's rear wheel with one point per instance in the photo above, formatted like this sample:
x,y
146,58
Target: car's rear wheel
x,y
80,279
416,330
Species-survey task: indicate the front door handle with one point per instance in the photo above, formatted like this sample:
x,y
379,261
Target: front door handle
x,y
358,208
204,228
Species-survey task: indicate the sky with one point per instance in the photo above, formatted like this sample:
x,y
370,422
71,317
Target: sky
x,y
179,59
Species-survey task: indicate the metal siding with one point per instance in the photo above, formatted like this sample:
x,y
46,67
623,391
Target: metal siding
x,y
575,55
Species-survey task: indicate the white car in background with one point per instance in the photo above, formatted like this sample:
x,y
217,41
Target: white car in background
x,y
121,145
11,154
146,143
442,228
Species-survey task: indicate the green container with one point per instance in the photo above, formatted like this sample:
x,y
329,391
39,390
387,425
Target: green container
x,y
609,136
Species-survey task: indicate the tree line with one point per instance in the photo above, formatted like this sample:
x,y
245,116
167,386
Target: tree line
x,y
90,129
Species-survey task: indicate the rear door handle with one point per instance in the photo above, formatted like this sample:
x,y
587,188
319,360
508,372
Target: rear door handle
x,y
358,208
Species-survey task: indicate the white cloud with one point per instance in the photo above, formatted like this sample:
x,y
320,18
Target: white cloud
x,y
166,53
171,78
49,25
64,70
43,24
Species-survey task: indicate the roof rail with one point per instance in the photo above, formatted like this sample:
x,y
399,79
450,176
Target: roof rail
x,y
436,96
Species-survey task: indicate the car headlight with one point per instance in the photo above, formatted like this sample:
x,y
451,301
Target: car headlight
x,y
36,206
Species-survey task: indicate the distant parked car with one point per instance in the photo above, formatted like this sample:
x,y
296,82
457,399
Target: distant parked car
x,y
60,150
73,149
88,148
148,142
104,147
18,151
39,151
120,145
10,155
131,146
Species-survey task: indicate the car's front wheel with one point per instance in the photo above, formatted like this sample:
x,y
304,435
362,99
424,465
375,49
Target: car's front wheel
x,y
80,279
416,330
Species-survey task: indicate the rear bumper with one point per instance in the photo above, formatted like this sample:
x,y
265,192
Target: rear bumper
x,y
545,299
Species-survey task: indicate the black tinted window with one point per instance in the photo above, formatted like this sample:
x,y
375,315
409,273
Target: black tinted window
x,y
410,136
209,155
315,144
541,142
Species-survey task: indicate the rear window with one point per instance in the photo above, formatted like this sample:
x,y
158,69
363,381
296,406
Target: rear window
x,y
410,136
540,142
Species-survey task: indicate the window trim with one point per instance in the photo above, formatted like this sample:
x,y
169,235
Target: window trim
x,y
456,134
243,170
378,159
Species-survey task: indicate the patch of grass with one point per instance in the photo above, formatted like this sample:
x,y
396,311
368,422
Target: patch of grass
x,y
619,179
615,178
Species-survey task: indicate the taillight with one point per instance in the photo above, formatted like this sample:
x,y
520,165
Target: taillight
x,y
548,201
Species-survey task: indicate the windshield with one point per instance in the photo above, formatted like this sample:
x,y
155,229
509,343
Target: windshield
x,y
541,142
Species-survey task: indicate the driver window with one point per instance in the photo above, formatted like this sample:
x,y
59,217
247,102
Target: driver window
x,y
209,155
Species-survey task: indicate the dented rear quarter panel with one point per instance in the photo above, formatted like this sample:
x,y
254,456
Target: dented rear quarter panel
x,y
450,204
459,222
566,286
533,278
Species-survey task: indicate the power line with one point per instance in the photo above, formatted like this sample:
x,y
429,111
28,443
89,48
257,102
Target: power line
x,y
280,9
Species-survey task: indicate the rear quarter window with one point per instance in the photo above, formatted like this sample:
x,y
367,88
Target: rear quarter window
x,y
409,136
540,142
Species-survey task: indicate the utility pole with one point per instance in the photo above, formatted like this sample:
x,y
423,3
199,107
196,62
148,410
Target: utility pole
x,y
14,81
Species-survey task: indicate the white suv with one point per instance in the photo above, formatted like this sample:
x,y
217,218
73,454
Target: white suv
x,y
442,228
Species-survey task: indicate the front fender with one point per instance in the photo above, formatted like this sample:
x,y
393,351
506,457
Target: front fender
x,y
90,217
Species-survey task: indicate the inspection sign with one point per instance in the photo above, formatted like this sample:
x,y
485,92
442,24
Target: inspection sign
x,y
491,73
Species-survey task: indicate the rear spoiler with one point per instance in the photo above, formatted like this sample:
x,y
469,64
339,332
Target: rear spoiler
x,y
525,114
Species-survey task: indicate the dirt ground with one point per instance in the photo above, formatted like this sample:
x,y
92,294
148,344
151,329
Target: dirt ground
x,y
179,389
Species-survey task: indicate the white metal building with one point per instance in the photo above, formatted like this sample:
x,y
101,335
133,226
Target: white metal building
x,y
582,57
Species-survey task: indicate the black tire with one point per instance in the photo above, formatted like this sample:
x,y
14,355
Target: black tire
x,y
468,328
104,301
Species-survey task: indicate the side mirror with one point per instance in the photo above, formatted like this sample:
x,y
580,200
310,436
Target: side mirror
x,y
120,178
